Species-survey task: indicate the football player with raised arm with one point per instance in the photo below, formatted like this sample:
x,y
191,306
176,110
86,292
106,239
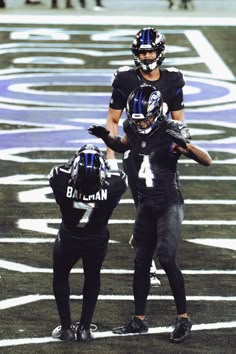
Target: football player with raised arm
x,y
157,143
87,192
148,49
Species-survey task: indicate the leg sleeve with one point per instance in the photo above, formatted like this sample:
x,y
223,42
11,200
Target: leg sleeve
x,y
169,233
141,279
63,262
92,263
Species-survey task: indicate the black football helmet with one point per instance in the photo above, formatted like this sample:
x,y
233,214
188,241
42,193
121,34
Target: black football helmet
x,y
148,39
89,170
145,104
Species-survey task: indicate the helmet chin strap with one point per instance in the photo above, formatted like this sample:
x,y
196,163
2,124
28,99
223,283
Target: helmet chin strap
x,y
148,66
145,131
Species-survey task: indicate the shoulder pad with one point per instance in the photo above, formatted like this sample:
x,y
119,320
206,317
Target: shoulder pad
x,y
56,170
119,178
172,69
120,72
124,68
175,76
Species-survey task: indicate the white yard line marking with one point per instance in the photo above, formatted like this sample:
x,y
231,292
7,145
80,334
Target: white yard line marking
x,y
26,240
209,222
228,243
22,268
42,226
209,56
13,154
107,334
208,178
42,195
194,201
28,299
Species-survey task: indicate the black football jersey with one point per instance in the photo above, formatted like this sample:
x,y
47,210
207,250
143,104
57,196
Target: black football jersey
x,y
170,84
86,216
156,165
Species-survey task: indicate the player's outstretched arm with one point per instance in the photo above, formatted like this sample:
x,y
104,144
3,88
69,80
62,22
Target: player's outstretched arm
x,y
196,153
116,143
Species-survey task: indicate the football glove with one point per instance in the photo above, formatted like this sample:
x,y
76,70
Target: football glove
x,y
179,133
184,129
98,131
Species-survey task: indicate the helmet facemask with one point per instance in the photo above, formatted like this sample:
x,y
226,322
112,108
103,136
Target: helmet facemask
x,y
148,39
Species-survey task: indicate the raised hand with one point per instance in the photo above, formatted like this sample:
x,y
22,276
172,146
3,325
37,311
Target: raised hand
x,y
98,131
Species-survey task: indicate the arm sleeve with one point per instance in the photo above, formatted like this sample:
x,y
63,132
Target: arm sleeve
x,y
114,143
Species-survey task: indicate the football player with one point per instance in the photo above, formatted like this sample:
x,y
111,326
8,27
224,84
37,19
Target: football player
x,y
148,49
87,193
157,144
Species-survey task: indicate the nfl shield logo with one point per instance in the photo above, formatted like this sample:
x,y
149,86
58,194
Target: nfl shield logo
x,y
143,144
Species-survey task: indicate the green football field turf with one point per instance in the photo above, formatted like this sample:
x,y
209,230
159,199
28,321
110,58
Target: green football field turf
x,y
54,84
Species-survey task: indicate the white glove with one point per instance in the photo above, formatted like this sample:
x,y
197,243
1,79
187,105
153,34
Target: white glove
x,y
112,164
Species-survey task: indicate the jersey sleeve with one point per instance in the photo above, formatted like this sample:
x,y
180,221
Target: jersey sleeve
x,y
58,180
118,184
177,84
53,177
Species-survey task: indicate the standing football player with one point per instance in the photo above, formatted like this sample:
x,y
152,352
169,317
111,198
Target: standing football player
x,y
87,193
148,49
157,144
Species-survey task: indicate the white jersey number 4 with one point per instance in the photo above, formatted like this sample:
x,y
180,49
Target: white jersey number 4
x,y
145,171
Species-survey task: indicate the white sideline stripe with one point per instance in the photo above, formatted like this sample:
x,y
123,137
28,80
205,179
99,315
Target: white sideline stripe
x,y
106,334
19,267
24,300
118,20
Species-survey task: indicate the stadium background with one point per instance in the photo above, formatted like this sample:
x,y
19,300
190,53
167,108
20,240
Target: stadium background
x,y
55,81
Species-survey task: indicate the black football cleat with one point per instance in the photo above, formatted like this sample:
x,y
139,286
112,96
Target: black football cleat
x,y
134,326
182,330
84,334
64,334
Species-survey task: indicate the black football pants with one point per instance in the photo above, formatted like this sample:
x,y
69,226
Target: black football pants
x,y
131,168
158,235
66,254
